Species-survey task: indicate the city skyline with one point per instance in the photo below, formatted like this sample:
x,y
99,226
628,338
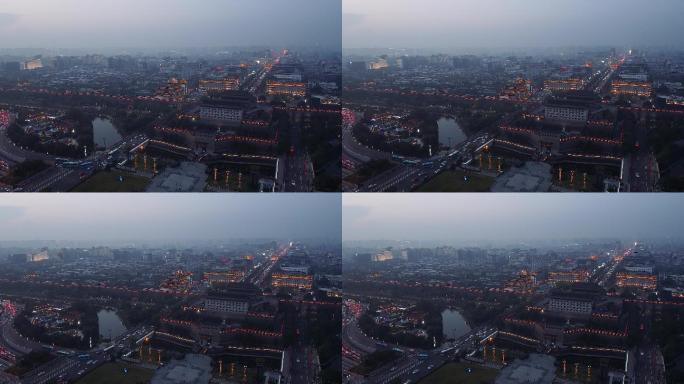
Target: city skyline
x,y
341,191
78,24
165,217
502,218
466,26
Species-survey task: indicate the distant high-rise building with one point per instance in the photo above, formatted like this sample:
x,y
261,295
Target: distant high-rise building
x,y
378,64
33,64
384,255
38,256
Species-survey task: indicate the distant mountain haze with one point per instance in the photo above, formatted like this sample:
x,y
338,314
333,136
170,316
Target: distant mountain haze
x,y
498,24
504,218
86,217
152,24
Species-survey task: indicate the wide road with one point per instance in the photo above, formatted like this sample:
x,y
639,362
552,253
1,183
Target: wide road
x,y
59,178
70,364
416,364
405,178
298,171
11,340
435,358
254,82
355,339
650,366
77,364
45,179
352,147
303,365
16,154
400,368
413,365
408,177
643,170
298,175
259,275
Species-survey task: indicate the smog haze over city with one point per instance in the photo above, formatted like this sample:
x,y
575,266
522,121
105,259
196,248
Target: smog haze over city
x,y
95,218
496,25
236,95
99,26
114,275
341,191
493,287
468,218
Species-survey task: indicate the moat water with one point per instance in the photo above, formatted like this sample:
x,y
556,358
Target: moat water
x,y
450,133
110,324
454,325
105,133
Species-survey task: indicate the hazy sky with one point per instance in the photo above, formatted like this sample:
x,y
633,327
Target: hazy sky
x,y
114,216
453,24
453,217
168,23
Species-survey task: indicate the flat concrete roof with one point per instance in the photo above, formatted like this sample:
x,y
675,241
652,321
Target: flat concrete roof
x,y
531,177
188,177
536,369
192,369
